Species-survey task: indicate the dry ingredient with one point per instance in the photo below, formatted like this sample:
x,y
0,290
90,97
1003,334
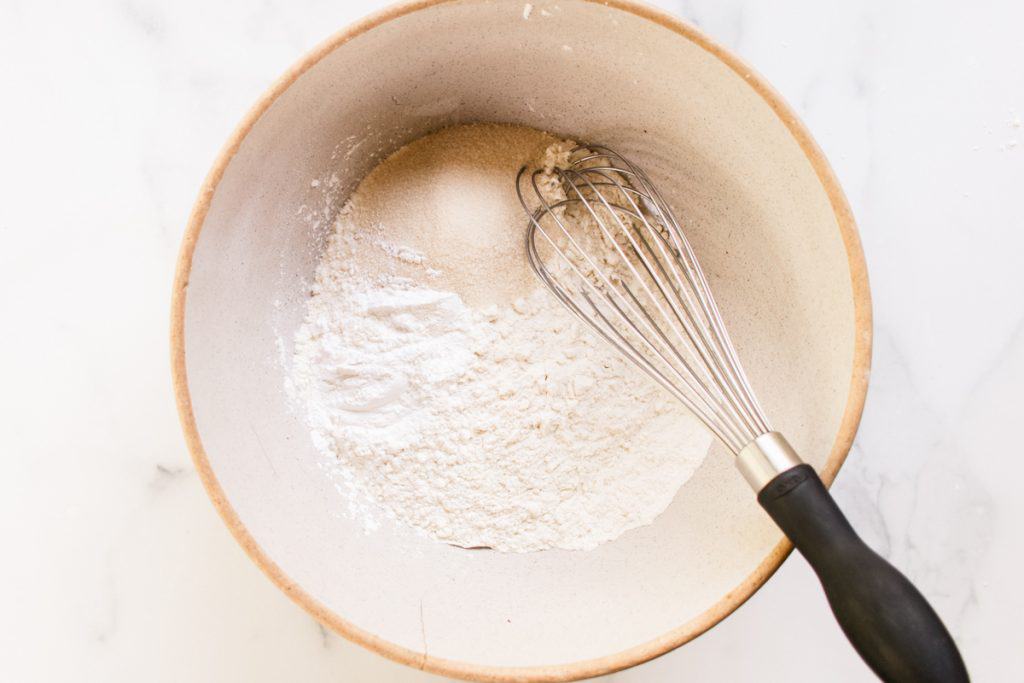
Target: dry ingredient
x,y
449,390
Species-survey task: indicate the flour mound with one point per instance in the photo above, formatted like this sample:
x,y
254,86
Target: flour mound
x,y
501,422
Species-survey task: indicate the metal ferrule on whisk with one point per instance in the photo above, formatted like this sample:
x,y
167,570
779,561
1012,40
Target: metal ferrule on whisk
x,y
765,458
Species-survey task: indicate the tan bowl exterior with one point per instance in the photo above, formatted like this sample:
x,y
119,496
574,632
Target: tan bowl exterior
x,y
748,281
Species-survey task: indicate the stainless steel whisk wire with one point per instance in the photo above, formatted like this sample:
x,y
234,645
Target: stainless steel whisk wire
x,y
695,360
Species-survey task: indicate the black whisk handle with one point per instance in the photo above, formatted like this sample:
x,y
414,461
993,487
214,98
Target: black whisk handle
x,y
885,617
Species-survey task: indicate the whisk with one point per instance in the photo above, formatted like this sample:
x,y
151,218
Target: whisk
x,y
608,246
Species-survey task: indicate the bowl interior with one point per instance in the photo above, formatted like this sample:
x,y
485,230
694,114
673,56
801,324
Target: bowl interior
x,y
752,203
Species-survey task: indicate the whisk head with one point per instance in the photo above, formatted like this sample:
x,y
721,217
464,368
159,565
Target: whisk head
x,y
606,243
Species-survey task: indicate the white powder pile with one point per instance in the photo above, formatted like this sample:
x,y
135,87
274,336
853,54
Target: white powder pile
x,y
449,390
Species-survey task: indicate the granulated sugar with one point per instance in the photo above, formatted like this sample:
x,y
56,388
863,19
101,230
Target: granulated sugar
x,y
450,391
451,198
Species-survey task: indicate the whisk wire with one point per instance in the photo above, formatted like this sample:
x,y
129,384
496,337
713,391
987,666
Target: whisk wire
x,y
725,353
611,334
634,354
687,328
697,404
724,345
649,298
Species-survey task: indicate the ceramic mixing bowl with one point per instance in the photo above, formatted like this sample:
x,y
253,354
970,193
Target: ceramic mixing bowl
x,y
759,203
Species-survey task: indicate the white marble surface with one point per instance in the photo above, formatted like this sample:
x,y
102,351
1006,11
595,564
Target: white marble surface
x,y
116,568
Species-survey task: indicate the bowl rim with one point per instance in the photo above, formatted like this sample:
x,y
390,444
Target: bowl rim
x,y
557,672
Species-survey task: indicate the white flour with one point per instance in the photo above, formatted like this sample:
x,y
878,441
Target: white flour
x,y
479,417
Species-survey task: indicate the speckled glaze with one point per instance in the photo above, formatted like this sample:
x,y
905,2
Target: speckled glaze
x,y
759,202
